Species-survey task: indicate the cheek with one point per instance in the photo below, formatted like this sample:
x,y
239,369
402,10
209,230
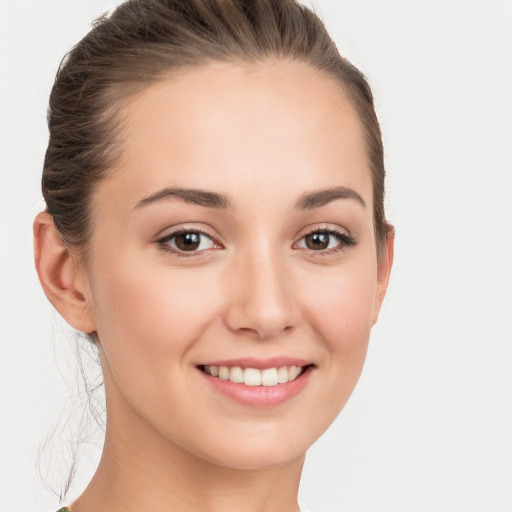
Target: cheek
x,y
154,311
343,304
342,310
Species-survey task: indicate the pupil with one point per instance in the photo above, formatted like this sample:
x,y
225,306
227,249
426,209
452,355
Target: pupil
x,y
188,241
317,241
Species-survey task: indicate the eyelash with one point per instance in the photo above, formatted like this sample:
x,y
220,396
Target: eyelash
x,y
344,241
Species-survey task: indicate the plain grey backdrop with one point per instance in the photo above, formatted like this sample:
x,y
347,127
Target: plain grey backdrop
x,y
429,427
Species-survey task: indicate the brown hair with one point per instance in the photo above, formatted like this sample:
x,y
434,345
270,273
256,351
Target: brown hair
x,y
143,40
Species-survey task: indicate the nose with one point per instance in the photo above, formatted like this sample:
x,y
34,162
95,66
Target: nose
x,y
262,301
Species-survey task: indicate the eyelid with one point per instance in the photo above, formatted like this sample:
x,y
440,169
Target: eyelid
x,y
322,227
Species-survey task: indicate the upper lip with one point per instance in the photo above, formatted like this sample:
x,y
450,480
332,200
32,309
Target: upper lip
x,y
260,363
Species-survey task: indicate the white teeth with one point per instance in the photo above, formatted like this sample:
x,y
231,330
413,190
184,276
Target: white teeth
x,y
253,376
293,372
282,375
269,377
236,374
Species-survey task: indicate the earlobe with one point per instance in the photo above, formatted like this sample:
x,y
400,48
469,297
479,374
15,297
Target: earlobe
x,y
384,270
59,273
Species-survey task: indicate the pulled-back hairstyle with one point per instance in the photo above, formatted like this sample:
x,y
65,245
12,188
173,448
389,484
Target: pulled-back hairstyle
x,y
142,42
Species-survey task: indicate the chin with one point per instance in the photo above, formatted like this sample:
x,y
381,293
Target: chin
x,y
265,448
251,459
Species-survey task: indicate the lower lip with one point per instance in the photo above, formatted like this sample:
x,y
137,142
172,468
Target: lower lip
x,y
259,396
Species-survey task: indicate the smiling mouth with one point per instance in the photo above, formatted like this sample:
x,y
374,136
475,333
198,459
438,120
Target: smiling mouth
x,y
254,376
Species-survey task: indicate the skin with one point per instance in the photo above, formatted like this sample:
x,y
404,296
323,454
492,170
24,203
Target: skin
x,y
262,135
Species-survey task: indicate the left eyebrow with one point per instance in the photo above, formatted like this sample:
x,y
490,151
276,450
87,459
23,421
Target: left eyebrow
x,y
319,198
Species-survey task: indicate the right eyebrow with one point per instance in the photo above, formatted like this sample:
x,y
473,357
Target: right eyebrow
x,y
189,195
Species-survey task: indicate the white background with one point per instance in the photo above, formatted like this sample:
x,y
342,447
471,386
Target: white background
x,y
429,427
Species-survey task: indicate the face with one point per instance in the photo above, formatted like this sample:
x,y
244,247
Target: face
x,y
233,278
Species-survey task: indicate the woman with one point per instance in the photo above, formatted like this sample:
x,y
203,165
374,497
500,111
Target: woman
x,y
215,224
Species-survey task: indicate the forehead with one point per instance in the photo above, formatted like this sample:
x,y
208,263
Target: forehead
x,y
224,125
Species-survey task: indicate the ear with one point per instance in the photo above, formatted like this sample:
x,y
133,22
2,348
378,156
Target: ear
x,y
384,270
61,277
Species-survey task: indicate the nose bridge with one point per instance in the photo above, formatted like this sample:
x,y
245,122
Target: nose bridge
x,y
262,300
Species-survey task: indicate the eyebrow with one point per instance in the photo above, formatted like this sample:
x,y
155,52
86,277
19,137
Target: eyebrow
x,y
311,200
189,195
307,201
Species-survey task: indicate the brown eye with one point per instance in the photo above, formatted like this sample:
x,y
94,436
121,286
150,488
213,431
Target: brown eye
x,y
188,241
326,241
317,241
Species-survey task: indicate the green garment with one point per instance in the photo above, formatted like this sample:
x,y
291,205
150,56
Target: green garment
x,y
63,509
